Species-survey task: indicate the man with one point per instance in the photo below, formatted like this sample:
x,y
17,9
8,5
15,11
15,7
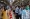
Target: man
x,y
23,13
18,12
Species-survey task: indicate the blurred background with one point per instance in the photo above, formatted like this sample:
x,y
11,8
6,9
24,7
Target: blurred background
x,y
10,5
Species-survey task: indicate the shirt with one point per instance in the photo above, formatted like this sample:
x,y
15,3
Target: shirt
x,y
24,12
17,10
20,12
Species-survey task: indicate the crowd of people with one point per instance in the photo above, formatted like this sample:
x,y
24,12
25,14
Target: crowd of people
x,y
18,12
21,10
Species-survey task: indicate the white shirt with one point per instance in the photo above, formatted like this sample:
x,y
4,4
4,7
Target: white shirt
x,y
17,10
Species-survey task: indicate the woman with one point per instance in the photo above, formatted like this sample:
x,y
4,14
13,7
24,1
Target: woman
x,y
4,12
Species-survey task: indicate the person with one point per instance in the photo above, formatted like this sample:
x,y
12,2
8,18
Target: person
x,y
23,13
27,6
3,9
18,12
1,6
